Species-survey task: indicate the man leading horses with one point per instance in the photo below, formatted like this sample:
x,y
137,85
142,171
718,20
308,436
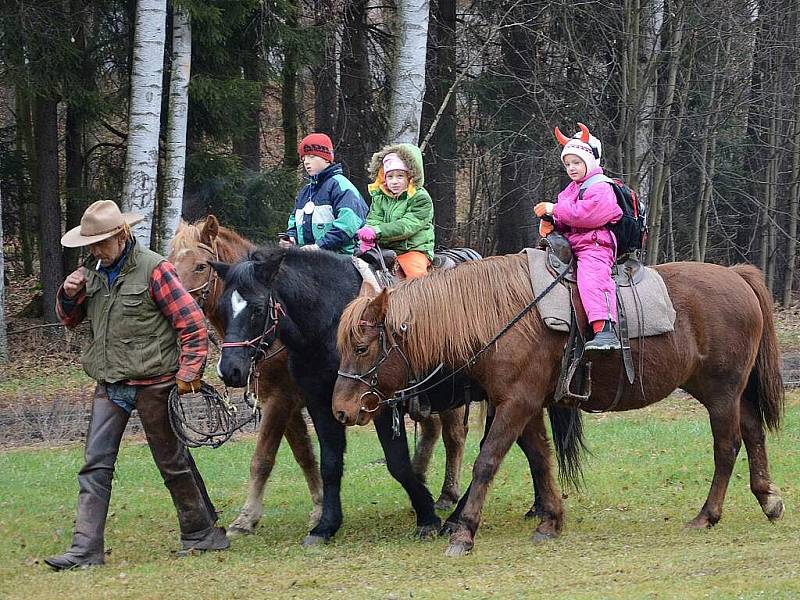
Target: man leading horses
x,y
147,334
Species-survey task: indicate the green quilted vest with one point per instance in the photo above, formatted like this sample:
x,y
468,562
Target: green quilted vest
x,y
131,338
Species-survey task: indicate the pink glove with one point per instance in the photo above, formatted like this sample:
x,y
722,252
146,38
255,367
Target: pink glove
x,y
366,234
364,245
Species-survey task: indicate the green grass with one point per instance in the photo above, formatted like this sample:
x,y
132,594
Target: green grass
x,y
649,473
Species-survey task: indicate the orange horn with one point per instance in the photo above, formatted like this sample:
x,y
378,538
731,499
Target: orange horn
x,y
562,139
584,133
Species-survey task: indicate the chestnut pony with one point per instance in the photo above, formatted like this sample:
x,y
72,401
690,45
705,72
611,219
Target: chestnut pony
x,y
193,246
723,351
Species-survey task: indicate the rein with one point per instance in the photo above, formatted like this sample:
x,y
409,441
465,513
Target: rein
x,y
400,396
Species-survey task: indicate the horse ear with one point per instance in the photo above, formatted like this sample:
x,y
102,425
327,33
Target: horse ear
x,y
378,306
220,267
266,265
210,230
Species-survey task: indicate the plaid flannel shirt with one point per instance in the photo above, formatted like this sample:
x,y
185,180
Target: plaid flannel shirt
x,y
176,304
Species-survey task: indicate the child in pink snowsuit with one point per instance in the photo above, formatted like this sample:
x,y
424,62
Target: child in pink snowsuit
x,y
582,214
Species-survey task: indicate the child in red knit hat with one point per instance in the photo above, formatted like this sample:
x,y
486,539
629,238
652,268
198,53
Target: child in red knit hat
x,y
329,209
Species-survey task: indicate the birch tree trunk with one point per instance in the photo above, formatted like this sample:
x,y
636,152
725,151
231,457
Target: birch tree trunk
x,y
653,21
175,167
3,338
144,117
408,71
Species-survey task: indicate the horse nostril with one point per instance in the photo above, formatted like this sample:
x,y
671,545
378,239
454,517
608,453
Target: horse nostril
x,y
341,416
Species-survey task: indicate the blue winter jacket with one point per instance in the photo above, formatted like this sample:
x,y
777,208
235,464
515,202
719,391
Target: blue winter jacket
x,y
328,211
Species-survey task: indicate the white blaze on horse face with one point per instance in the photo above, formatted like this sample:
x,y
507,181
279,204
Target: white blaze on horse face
x,y
238,304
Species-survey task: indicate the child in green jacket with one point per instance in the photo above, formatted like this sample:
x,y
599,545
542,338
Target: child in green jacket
x,y
401,215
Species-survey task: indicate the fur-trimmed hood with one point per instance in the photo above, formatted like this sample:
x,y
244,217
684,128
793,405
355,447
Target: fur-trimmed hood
x,y
409,153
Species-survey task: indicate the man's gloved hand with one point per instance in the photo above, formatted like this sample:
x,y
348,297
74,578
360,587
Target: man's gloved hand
x,y
285,241
310,247
543,208
545,228
366,234
189,387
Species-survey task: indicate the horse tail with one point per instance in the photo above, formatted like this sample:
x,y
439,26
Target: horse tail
x,y
764,389
566,424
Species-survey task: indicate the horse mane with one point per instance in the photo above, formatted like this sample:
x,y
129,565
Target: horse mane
x,y
230,245
449,315
350,334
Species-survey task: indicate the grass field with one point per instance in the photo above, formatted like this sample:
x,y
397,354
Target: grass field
x,y
649,473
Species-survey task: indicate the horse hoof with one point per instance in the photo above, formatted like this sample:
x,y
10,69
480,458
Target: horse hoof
x,y
773,508
456,550
443,504
314,540
427,532
540,536
448,528
700,522
235,531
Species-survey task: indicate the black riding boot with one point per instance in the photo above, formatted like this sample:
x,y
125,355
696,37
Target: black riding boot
x,y
94,480
196,513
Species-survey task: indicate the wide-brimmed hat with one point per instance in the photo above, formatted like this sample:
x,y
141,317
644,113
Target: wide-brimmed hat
x,y
99,222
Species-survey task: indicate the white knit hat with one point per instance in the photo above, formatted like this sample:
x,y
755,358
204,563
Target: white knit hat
x,y
583,145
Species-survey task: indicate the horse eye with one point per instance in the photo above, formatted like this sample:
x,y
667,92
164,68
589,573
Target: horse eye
x,y
200,268
361,349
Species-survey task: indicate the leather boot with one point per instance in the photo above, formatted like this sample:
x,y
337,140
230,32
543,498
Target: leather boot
x,y
94,481
196,513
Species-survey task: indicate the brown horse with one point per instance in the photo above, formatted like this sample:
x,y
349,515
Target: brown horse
x,y
206,240
191,249
723,351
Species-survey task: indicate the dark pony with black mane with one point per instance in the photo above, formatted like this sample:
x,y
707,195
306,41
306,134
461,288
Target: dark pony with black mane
x,y
723,351
296,296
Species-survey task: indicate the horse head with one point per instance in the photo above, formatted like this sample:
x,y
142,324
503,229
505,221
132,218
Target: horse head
x,y
250,313
190,252
373,365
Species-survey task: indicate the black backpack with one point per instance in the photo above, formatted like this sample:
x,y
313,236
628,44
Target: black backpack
x,y
631,229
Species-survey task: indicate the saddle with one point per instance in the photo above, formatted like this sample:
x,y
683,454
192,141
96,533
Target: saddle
x,y
643,309
383,263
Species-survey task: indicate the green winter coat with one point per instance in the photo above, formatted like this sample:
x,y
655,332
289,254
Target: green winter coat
x,y
404,223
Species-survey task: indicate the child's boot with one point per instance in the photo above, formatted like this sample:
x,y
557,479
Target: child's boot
x,y
605,340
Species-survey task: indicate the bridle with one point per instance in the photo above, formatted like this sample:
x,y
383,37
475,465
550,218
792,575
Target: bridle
x,y
210,283
261,343
370,377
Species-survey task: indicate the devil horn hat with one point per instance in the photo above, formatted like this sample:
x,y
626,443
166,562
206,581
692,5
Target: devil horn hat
x,y
562,139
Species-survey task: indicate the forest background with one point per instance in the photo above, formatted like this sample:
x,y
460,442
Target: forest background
x,y
195,107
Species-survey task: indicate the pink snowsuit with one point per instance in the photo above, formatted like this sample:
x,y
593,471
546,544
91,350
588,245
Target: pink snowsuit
x,y
582,221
